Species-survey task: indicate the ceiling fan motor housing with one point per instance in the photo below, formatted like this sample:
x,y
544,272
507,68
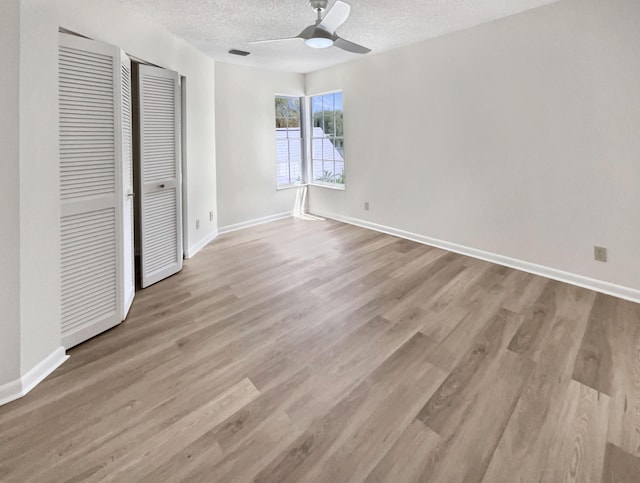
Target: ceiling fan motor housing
x,y
320,5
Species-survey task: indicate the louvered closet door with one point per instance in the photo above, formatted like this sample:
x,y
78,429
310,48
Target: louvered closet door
x,y
127,193
91,188
160,184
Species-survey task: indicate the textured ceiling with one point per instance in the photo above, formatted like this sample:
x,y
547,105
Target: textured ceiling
x,y
215,26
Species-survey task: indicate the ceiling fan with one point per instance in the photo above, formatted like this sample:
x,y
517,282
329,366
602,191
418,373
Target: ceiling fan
x,y
322,34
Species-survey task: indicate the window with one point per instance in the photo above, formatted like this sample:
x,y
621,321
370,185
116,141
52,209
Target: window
x,y
288,142
327,148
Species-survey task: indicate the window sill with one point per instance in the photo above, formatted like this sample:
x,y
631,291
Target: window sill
x,y
290,187
330,186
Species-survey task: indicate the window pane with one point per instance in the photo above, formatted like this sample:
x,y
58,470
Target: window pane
x,y
316,110
338,144
316,104
339,168
296,172
316,148
329,124
328,176
327,102
317,169
294,113
282,151
319,108
282,174
317,132
287,112
337,100
327,114
295,150
327,150
339,131
293,133
281,105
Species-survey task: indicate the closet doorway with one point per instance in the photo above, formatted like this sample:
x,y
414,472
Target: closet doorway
x,y
120,182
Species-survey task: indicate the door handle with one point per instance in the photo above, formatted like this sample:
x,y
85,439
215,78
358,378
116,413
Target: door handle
x,y
131,195
161,186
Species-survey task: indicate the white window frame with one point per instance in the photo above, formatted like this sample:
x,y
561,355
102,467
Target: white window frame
x,y
310,156
290,185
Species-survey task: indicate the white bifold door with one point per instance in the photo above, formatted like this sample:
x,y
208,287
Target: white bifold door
x,y
159,114
96,188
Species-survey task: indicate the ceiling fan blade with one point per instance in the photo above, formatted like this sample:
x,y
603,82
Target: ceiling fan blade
x,y
273,40
335,17
307,33
349,46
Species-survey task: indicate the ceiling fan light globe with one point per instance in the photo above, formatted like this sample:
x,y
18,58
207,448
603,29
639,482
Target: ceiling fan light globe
x,y
318,42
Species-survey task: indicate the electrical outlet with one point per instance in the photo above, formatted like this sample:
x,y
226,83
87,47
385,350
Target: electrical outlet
x,y
197,224
366,206
211,215
600,254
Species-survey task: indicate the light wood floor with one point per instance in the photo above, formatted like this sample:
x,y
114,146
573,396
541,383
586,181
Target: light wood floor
x,y
317,351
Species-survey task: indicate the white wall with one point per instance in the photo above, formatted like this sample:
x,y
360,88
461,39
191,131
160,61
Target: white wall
x,y
9,192
245,140
520,137
39,243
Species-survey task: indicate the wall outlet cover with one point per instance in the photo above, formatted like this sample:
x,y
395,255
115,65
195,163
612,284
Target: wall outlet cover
x,y
600,254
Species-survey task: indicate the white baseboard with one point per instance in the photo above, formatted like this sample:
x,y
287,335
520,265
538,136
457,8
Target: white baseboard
x,y
191,251
256,221
20,387
608,288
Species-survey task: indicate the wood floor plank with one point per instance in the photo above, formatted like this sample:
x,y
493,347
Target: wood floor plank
x,y
476,430
541,315
577,452
202,453
525,288
533,424
161,446
424,256
459,288
305,456
457,342
108,440
58,416
355,453
336,376
479,301
466,379
242,425
620,466
558,300
624,426
312,350
270,438
594,362
408,457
